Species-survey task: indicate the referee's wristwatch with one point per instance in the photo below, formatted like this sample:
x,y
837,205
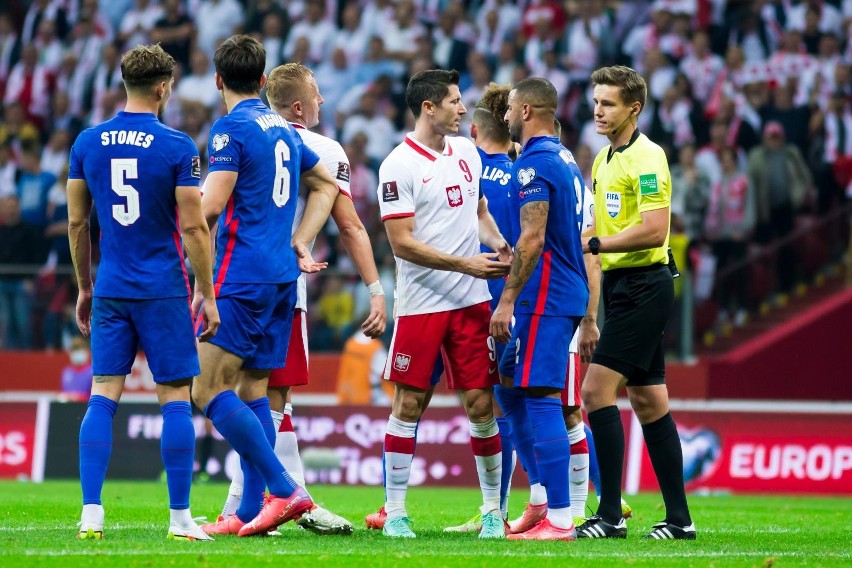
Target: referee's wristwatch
x,y
594,245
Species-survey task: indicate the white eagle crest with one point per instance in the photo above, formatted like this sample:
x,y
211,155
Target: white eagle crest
x,y
455,195
526,175
220,141
401,361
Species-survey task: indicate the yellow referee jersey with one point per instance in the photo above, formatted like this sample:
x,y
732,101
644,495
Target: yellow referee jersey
x,y
633,180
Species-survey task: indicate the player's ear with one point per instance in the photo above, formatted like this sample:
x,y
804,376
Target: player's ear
x,y
220,85
262,81
297,107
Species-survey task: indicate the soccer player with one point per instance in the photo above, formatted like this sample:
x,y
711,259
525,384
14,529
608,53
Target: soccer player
x,y
294,95
632,194
251,190
143,178
546,291
435,218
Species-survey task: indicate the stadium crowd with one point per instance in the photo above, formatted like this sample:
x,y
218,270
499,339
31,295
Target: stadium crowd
x,y
752,100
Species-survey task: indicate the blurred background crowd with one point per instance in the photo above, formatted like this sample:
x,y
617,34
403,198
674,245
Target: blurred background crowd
x,y
752,100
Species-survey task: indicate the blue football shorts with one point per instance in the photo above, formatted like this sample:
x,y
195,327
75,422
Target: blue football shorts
x,y
256,321
162,327
537,354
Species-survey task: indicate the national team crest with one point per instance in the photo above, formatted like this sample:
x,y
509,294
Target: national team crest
x,y
454,195
401,362
613,203
220,141
526,175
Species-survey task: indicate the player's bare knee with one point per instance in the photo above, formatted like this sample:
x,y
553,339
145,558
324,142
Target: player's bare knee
x,y
479,405
572,416
649,403
408,404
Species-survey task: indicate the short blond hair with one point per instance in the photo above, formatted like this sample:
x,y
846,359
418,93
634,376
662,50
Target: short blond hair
x,y
490,111
287,84
145,66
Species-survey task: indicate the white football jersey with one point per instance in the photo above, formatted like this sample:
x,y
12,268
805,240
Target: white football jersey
x,y
332,156
441,192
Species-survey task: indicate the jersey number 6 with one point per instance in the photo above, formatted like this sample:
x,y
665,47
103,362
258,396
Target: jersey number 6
x,y
121,169
281,189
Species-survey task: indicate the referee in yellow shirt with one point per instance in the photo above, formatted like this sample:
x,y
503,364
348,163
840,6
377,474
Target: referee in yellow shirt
x,y
632,198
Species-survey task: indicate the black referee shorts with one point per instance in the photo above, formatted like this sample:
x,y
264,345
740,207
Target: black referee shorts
x,y
637,304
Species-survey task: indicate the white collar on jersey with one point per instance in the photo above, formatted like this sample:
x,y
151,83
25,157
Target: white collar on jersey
x,y
429,152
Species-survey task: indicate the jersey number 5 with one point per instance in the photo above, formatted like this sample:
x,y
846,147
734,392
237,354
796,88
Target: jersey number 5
x,y
281,190
122,169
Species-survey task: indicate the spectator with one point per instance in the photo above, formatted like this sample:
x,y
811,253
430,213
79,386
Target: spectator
x,y
257,13
728,227
29,86
403,32
137,23
8,170
449,48
73,82
77,376
363,182
199,85
353,37
272,36
379,129
54,157
490,36
33,186
86,46
63,118
39,11
106,83
20,244
781,182
10,48
48,45
316,29
174,32
214,21
690,192
794,118
102,27
506,63
587,41
702,67
334,78
834,169
377,62
659,73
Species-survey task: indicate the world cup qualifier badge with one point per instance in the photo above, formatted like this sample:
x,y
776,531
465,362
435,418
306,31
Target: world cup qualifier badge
x,y
196,167
389,191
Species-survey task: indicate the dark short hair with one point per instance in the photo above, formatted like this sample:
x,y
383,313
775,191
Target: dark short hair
x,y
431,85
240,60
630,83
537,92
145,66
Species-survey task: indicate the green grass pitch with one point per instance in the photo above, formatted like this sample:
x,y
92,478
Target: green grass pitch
x,y
39,526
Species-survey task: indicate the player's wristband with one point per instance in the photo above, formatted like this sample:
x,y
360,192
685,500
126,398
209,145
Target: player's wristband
x,y
376,289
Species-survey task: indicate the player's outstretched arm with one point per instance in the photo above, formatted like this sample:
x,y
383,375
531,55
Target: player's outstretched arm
x,y
322,192
405,246
79,240
527,252
356,241
196,240
489,233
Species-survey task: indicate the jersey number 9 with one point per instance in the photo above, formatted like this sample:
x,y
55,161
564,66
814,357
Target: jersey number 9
x,y
120,170
281,189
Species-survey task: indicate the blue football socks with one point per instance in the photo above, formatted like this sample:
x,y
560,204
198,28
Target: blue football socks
x,y
514,406
239,425
505,428
177,447
95,447
594,470
552,448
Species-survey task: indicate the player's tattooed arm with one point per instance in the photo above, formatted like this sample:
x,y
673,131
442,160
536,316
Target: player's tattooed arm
x,y
527,252
529,246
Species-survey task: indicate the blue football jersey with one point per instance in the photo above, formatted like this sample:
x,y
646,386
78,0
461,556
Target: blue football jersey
x,y
132,164
546,171
253,242
494,183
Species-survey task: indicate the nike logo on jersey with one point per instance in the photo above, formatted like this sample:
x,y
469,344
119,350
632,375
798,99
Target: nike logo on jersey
x,y
492,370
427,180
